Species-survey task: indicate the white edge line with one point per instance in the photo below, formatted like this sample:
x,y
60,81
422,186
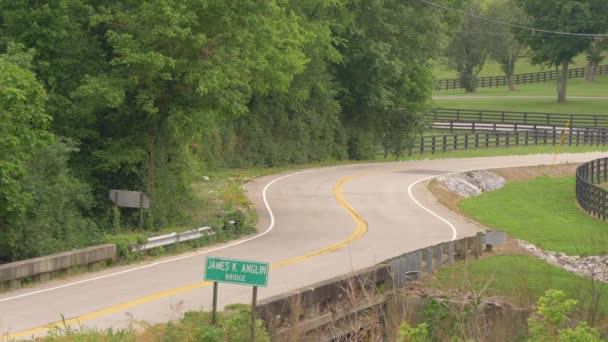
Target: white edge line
x,y
270,227
409,191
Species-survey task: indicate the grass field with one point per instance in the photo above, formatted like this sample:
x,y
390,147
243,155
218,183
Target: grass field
x,y
494,98
542,211
576,87
521,278
491,68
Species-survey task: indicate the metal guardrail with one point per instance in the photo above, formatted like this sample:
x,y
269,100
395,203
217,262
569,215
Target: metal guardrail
x,y
589,195
534,77
169,239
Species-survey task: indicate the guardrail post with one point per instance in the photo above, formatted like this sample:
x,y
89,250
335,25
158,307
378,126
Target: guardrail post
x,y
451,253
413,265
429,260
439,255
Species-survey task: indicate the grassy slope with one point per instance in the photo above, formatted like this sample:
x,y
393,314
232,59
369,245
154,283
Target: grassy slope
x,y
521,278
542,211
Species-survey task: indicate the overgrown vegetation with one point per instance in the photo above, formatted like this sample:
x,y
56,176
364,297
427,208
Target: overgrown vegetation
x,y
143,95
553,320
232,326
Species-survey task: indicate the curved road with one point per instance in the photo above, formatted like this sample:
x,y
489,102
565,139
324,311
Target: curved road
x,y
314,224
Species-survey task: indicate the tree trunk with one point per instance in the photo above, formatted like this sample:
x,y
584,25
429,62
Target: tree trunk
x,y
591,71
562,82
510,73
510,81
468,80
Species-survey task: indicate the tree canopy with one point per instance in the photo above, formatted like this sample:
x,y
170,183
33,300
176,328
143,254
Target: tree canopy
x,y
136,94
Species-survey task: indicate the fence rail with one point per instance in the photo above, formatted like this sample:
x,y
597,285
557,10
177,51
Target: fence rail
x,y
589,195
496,139
450,115
534,77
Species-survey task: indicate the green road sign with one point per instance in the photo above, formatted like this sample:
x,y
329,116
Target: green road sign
x,y
236,271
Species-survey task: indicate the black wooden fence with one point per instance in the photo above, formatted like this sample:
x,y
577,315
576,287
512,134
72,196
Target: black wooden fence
x,y
527,119
496,139
591,197
534,77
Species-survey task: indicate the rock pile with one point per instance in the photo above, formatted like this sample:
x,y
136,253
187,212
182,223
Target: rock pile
x,y
472,183
593,267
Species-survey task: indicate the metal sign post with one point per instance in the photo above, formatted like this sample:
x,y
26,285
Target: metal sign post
x,y
242,272
254,299
214,312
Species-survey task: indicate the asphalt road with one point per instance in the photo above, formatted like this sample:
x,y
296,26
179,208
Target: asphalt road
x,y
314,225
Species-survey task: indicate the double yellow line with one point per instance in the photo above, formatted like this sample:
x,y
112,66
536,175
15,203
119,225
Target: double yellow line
x,y
361,229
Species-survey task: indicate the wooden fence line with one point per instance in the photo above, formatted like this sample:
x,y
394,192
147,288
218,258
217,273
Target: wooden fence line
x,y
517,118
496,139
589,195
534,77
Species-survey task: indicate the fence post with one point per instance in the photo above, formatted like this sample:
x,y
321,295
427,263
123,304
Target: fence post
x,y
466,141
422,145
455,142
508,135
445,142
433,145
487,140
476,140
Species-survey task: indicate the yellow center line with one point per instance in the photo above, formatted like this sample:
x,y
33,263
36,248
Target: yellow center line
x,y
360,230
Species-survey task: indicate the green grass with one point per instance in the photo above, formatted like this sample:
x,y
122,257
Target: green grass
x,y
576,87
491,68
521,278
542,211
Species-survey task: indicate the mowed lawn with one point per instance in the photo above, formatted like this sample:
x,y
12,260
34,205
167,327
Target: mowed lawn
x,y
491,68
521,278
576,87
542,211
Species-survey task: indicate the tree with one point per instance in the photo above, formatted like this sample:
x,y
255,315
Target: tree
x,y
595,57
383,61
23,129
574,16
469,47
504,48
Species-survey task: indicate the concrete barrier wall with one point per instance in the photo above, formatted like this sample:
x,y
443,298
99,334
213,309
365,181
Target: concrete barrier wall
x,y
56,262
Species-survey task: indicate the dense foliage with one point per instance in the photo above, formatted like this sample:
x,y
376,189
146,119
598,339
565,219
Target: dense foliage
x,y
135,95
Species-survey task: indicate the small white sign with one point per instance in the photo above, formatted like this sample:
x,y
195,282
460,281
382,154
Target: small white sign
x,y
129,199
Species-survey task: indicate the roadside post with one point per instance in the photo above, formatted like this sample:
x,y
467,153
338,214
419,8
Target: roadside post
x,y
240,272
